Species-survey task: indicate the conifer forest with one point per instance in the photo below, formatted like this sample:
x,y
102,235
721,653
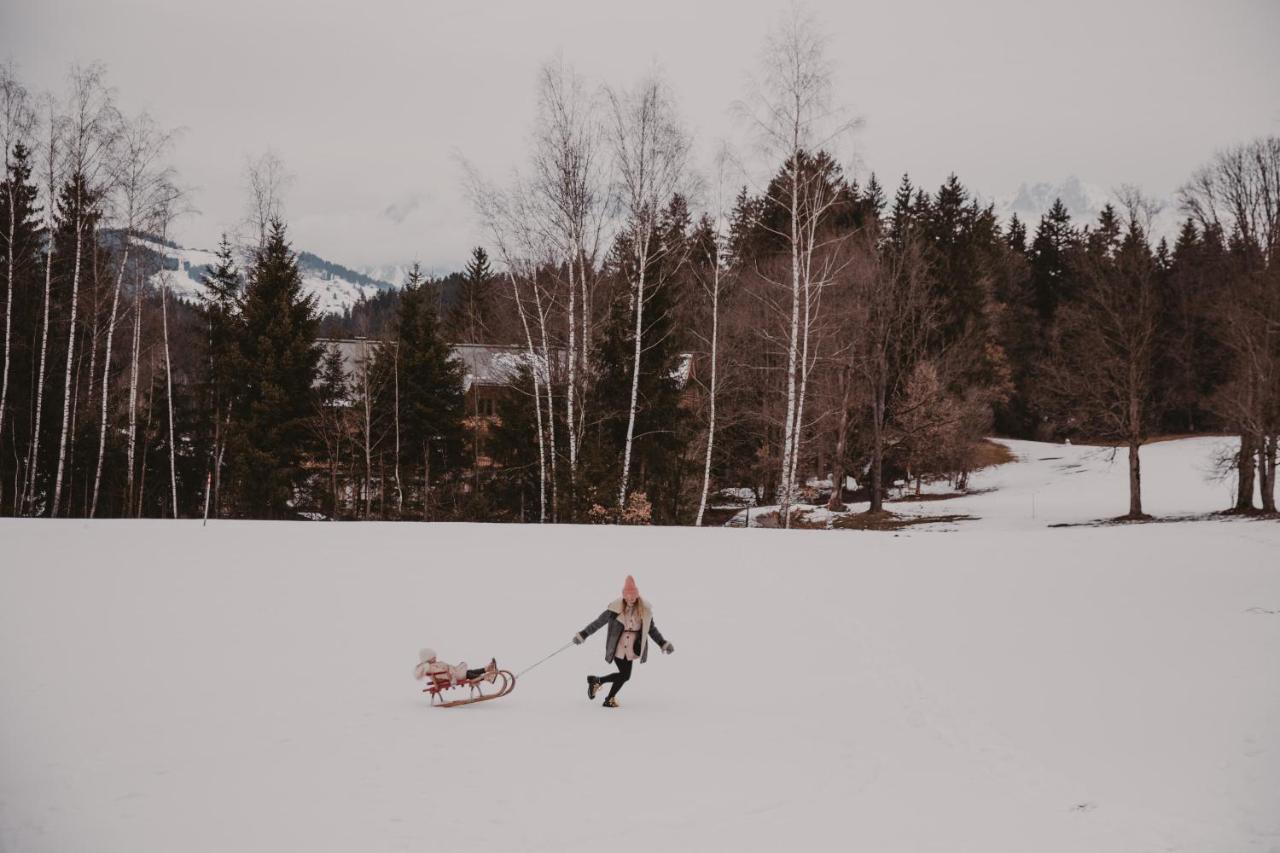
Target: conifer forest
x,y
654,333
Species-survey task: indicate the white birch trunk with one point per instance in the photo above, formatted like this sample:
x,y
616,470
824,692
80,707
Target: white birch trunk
x,y
71,432
586,338
217,463
133,389
8,316
551,421
168,377
106,373
208,488
635,374
537,399
368,457
571,423
805,364
66,385
711,425
399,487
33,463
788,438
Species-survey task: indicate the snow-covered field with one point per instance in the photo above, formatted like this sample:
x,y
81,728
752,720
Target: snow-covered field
x,y
988,685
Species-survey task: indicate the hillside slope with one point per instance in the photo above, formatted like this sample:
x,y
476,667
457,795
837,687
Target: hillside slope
x,y
334,287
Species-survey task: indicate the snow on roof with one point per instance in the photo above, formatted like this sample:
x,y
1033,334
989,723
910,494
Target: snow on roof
x,y
492,365
483,364
357,353
496,364
680,373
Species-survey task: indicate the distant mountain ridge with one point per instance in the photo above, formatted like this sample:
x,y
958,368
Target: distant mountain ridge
x,y
1084,201
335,287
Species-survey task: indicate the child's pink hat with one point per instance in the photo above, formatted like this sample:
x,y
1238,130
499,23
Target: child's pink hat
x,y
630,588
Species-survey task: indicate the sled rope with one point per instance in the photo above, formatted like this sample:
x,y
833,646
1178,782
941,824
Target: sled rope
x,y
544,660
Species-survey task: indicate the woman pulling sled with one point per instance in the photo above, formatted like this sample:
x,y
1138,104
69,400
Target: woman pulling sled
x,y
630,621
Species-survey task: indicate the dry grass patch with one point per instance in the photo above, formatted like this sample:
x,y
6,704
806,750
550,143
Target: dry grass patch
x,y
885,520
989,453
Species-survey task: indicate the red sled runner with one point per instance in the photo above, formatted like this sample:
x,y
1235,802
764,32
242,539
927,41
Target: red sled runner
x,y
437,683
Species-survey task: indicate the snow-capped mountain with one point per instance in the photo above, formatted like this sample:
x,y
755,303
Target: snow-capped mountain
x,y
335,287
393,273
1084,201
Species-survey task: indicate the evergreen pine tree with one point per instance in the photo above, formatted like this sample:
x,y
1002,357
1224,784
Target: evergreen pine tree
x,y
902,216
1104,238
951,228
514,452
431,395
278,343
1016,235
1196,362
873,197
333,399
661,424
20,314
77,206
471,313
1050,251
222,304
743,225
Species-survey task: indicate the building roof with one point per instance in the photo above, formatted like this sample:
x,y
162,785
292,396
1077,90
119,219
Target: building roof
x,y
357,353
483,364
492,365
495,364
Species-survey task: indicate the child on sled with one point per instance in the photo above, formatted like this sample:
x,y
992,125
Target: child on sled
x,y
429,667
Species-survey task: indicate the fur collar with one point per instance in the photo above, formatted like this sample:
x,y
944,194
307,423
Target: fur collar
x,y
646,619
646,613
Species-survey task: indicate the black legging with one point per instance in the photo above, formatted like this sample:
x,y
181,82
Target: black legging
x,y
619,678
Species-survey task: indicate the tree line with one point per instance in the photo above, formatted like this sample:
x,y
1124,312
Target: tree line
x,y
806,335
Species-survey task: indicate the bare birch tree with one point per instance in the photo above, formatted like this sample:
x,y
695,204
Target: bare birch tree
x,y
266,182
17,122
165,216
135,351
144,190
571,204
651,152
52,168
792,115
715,263
89,126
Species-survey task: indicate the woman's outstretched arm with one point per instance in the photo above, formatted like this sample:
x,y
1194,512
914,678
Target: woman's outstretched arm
x,y
595,625
656,636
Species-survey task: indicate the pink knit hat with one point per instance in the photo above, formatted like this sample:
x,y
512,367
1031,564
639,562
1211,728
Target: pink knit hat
x,y
629,589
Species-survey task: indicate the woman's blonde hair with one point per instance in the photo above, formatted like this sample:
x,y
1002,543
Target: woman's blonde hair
x,y
642,606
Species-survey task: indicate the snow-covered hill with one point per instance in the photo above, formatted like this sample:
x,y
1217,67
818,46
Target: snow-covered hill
x,y
394,273
334,286
1006,686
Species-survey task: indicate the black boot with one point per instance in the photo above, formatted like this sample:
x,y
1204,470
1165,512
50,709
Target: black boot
x,y
610,702
593,685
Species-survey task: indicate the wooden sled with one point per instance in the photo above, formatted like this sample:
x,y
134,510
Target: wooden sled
x,y
441,682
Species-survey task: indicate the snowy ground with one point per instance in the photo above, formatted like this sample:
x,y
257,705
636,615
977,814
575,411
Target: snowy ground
x,y
1064,484
1001,687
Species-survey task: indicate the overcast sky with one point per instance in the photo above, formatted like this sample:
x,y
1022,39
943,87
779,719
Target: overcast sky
x,y
366,101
